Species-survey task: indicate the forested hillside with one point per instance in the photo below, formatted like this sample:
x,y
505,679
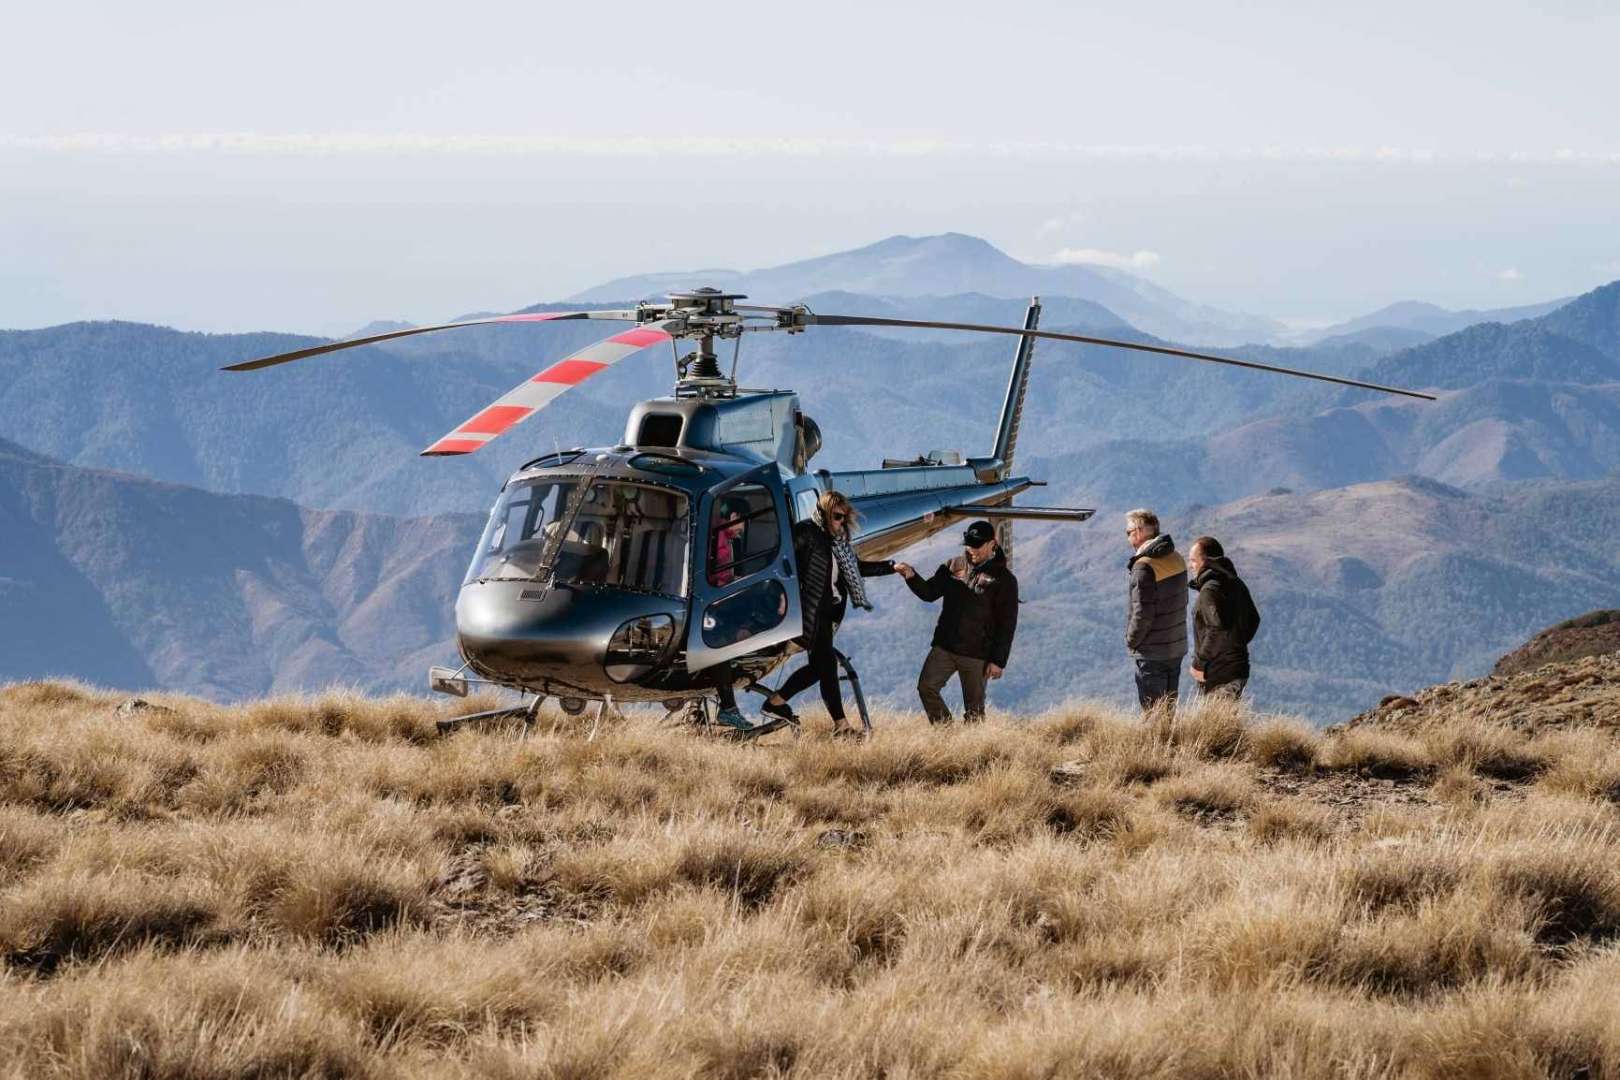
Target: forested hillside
x,y
134,583
1364,591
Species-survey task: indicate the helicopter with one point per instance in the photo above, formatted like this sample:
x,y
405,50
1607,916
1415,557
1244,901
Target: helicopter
x,y
636,572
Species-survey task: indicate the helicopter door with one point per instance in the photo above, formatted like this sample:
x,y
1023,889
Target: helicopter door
x,y
744,595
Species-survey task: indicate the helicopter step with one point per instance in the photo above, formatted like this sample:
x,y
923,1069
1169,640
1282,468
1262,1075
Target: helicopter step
x,y
526,713
700,713
852,677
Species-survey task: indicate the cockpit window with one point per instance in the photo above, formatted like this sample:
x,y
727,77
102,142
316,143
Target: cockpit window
x,y
628,535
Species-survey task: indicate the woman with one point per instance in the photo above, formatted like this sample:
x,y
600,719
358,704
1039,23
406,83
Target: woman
x,y
829,577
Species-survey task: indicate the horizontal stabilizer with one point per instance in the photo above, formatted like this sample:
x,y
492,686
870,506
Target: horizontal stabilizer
x,y
1020,513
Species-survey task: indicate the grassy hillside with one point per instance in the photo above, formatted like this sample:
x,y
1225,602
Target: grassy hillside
x,y
324,888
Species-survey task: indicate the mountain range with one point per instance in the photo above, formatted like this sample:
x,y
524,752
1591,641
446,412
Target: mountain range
x,y
1412,322
136,583
324,549
952,263
1368,589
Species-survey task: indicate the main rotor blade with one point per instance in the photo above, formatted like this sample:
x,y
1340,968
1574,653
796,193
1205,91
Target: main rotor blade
x,y
353,343
527,398
1164,350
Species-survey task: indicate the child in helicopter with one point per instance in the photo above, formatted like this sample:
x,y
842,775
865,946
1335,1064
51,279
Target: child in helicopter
x,y
728,541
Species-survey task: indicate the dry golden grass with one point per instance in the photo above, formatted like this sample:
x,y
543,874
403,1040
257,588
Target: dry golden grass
x,y
323,888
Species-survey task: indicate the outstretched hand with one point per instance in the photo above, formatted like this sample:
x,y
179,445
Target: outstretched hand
x,y
905,570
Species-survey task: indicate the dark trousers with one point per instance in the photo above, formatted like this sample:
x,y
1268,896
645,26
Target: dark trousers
x,y
723,676
1157,680
937,671
821,666
1232,689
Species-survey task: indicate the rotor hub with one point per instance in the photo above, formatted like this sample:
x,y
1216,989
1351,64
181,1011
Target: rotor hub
x,y
706,301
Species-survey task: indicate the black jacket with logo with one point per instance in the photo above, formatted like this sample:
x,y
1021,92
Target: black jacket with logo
x,y
1156,615
981,608
1224,622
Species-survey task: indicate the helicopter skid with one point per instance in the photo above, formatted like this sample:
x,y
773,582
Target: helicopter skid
x,y
526,713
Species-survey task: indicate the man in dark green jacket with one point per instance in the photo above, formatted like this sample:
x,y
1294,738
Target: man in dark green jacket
x,y
1156,609
973,638
1224,620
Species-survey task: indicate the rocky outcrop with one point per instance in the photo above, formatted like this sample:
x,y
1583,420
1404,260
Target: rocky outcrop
x,y
1594,634
1575,693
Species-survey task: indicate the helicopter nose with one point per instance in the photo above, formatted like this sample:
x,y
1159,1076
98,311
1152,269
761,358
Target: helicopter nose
x,y
637,646
592,638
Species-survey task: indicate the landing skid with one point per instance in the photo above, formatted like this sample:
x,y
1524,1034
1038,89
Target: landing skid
x,y
854,680
526,713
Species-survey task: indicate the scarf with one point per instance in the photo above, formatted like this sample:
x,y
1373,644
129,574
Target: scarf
x,y
849,567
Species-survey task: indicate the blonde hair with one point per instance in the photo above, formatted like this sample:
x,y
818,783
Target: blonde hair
x,y
837,500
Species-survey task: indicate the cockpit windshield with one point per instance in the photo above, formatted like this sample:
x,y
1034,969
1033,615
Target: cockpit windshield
x,y
597,531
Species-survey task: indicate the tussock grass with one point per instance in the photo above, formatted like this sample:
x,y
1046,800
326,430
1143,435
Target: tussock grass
x,y
1381,755
321,887
1283,744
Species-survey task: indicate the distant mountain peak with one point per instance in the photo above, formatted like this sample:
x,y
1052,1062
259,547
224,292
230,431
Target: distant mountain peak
x,y
954,263
381,326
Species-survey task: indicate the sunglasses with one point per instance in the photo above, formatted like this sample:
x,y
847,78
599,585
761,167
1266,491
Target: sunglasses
x,y
838,517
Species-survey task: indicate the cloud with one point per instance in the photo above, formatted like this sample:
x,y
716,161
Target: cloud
x,y
1063,221
1510,274
1141,260
687,146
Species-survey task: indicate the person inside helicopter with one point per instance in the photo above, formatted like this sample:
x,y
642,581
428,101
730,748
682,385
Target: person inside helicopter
x,y
728,540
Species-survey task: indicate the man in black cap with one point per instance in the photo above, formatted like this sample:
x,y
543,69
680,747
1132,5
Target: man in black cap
x,y
975,631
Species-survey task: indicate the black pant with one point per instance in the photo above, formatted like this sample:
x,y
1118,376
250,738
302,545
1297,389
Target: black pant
x,y
1157,680
723,676
821,666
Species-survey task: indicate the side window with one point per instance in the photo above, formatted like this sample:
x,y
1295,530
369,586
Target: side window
x,y
760,607
744,534
659,429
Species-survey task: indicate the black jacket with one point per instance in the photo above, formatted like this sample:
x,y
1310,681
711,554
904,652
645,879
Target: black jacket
x,y
1156,619
1224,622
980,614
812,550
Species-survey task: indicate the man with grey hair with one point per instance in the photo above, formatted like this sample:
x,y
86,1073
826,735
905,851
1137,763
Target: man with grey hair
x,y
1156,612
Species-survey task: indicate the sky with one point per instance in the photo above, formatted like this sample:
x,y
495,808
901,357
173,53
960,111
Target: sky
x,y
313,167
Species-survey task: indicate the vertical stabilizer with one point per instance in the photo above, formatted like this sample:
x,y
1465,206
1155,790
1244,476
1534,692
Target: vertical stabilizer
x,y
1012,414
1012,408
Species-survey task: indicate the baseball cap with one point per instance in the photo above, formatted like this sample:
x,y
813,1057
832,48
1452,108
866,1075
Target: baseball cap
x,y
978,533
